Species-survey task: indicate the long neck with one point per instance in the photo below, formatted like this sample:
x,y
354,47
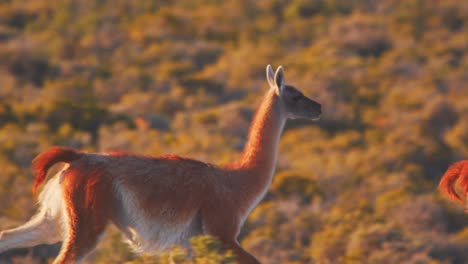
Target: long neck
x,y
260,151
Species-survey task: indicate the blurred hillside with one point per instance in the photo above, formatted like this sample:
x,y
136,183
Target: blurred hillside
x,y
154,77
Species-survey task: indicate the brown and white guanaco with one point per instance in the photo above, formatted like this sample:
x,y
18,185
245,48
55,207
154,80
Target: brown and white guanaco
x,y
158,201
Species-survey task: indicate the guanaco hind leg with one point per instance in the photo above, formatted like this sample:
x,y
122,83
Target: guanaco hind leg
x,y
41,229
44,228
87,199
84,232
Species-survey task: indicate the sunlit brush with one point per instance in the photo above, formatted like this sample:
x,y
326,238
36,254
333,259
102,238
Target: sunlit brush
x,y
159,201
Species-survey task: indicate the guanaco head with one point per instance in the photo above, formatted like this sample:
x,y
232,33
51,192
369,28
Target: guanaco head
x,y
296,104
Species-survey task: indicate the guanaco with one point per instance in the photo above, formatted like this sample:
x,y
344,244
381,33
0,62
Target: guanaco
x,y
456,172
158,201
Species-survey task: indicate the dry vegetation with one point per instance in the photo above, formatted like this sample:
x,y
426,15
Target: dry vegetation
x,y
184,76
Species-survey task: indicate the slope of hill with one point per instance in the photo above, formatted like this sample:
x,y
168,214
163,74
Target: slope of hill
x,y
154,77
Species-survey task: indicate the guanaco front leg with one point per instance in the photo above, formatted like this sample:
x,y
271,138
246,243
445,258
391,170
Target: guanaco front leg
x,y
226,228
243,257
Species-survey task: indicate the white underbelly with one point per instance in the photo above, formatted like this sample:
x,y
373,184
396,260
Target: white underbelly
x,y
156,233
157,238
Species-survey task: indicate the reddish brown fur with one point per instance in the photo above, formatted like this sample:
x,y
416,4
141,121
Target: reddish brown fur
x,y
42,163
263,117
186,175
88,199
456,172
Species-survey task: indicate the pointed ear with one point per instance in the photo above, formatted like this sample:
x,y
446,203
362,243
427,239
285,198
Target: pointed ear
x,y
279,79
270,75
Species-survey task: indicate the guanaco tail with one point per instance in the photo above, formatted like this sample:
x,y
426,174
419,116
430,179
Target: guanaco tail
x,y
457,172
